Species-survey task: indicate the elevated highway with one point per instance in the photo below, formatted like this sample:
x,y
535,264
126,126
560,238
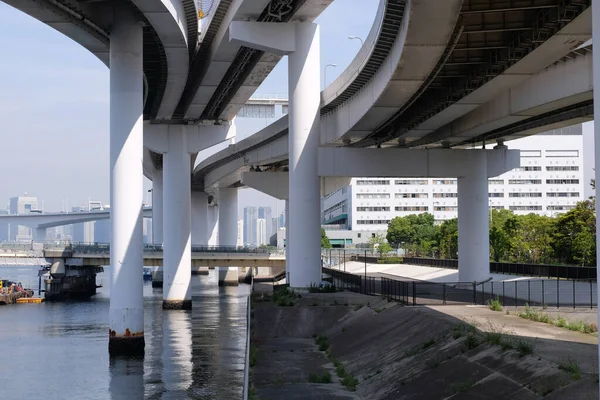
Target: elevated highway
x,y
516,70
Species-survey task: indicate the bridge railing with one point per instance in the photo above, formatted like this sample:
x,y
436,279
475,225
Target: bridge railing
x,y
103,248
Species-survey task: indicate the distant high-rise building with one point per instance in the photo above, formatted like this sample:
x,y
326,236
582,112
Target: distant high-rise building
x,y
240,235
4,228
274,227
261,232
282,217
250,217
265,213
102,231
77,233
22,205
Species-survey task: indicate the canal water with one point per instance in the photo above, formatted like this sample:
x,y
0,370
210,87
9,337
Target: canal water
x,y
60,350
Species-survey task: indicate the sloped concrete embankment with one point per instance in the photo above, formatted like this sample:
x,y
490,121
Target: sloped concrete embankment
x,y
401,353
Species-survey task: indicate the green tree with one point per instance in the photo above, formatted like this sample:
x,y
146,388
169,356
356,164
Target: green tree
x,y
376,242
384,249
325,243
447,239
575,235
400,230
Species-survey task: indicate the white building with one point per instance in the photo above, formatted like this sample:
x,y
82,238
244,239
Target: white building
x,y
240,234
22,205
550,181
261,232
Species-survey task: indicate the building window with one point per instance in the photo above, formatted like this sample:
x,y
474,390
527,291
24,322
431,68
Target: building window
x,y
412,208
410,182
562,194
531,153
534,194
358,235
374,209
496,195
372,235
257,111
528,169
445,208
378,182
444,181
444,195
372,195
373,222
525,182
411,195
525,208
562,168
496,181
284,109
560,208
562,153
562,181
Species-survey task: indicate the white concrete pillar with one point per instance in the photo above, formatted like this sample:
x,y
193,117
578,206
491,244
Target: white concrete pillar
x,y
228,204
596,68
200,232
212,228
287,235
304,227
40,234
126,314
177,254
157,207
473,226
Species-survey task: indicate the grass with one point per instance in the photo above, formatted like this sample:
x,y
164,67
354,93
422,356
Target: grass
x,y
459,387
285,298
322,342
577,326
524,347
495,304
253,356
571,367
325,377
493,335
314,288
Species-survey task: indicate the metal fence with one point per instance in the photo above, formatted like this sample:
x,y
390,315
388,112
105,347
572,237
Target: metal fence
x,y
91,248
557,293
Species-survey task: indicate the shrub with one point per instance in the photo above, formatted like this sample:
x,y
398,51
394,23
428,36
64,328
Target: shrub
x,y
325,377
495,304
390,260
571,367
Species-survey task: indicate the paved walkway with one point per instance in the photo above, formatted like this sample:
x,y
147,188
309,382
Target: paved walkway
x,y
513,290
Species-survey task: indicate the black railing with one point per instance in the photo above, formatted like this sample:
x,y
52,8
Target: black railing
x,y
535,292
90,248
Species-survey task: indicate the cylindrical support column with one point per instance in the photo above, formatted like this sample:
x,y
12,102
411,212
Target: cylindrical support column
x,y
287,236
126,314
212,228
200,232
473,227
177,255
157,207
304,266
228,204
596,70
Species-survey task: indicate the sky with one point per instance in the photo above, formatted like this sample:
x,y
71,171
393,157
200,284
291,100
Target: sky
x,y
54,106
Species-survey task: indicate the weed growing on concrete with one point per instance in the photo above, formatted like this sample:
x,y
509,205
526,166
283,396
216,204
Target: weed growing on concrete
x,y
578,326
572,367
253,355
495,304
358,307
325,377
472,341
524,347
322,342
378,310
285,298
314,288
428,343
252,393
459,387
462,330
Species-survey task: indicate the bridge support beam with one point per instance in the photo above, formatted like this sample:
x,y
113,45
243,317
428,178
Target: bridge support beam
x,y
40,234
177,223
228,205
473,218
300,41
126,314
157,207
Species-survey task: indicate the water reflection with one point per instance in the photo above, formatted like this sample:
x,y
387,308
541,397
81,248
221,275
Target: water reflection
x,y
126,378
177,352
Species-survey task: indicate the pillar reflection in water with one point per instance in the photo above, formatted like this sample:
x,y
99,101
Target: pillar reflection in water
x,y
126,378
177,353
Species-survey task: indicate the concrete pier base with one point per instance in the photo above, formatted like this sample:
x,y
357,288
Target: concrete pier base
x,y
157,277
228,276
126,345
177,305
199,270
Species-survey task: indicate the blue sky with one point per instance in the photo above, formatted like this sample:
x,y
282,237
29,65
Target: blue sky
x,y
54,100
